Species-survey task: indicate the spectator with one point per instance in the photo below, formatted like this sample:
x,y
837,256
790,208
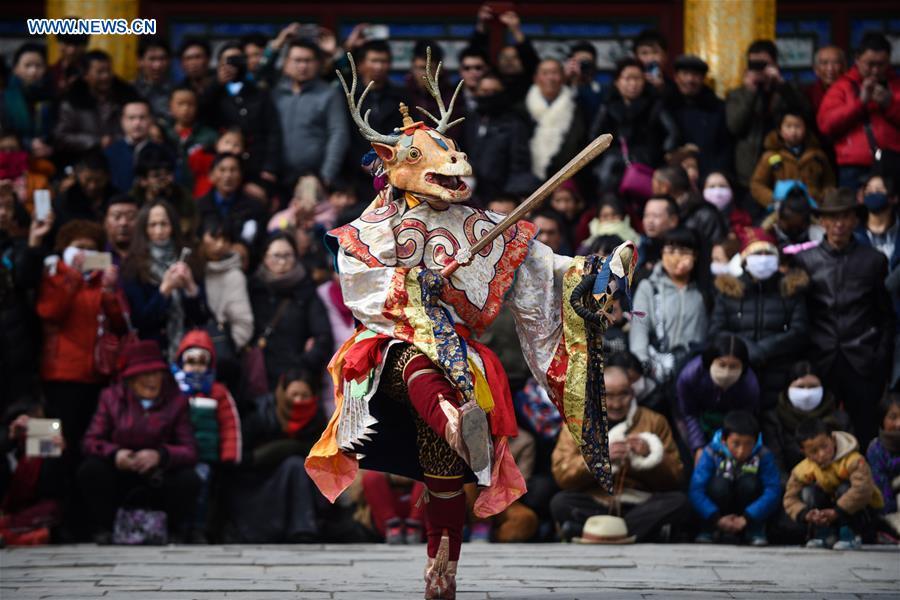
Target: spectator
x,y
726,258
30,486
609,219
262,54
388,506
164,294
569,203
89,115
884,458
154,83
676,319
766,309
804,397
719,191
497,144
651,49
313,114
194,55
155,180
638,119
140,439
660,217
20,276
551,231
373,65
227,199
236,102
73,303
274,500
22,172
791,223
829,64
214,416
751,109
415,88
581,74
851,325
694,213
473,65
516,63
791,152
644,457
69,67
27,102
831,488
860,113
881,226
700,115
192,139
287,312
558,123
122,154
89,193
711,385
736,485
225,283
119,219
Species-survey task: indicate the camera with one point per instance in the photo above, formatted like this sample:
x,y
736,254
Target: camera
x,y
586,66
757,65
237,60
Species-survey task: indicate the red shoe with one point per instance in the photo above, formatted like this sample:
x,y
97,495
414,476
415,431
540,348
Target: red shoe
x,y
440,574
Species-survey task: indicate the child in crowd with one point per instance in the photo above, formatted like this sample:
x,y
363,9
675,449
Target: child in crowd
x,y
230,141
392,506
214,415
831,488
884,457
192,139
792,152
736,485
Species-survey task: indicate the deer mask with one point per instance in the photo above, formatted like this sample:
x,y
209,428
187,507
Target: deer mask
x,y
417,159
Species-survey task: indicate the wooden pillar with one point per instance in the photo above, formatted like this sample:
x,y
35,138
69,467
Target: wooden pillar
x,y
122,48
719,31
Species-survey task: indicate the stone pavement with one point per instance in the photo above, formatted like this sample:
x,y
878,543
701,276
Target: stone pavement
x,y
363,572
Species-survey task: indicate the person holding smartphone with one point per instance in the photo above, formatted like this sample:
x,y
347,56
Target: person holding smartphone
x,y
751,110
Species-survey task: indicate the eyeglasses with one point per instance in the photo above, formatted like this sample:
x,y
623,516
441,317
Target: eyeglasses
x,y
472,68
280,257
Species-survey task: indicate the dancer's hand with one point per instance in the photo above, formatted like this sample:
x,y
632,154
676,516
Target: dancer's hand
x,y
433,281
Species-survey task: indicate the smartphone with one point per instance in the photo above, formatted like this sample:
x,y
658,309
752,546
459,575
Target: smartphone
x,y
39,437
653,70
377,32
41,204
96,261
308,31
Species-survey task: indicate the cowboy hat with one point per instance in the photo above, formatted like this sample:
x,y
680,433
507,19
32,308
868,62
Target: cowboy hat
x,y
839,200
605,529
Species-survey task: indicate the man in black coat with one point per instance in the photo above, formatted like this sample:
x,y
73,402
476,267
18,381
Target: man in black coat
x,y
700,115
850,313
236,102
497,145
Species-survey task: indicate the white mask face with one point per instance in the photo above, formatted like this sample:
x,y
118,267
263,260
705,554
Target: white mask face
x,y
719,268
762,266
724,377
805,399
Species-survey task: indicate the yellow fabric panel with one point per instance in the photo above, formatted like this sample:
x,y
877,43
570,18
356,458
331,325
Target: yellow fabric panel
x,y
719,31
575,339
122,48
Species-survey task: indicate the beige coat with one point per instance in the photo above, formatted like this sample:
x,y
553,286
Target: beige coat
x,y
227,298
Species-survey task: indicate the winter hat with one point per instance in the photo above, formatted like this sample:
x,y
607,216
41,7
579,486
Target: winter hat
x,y
141,357
691,62
838,200
756,239
197,338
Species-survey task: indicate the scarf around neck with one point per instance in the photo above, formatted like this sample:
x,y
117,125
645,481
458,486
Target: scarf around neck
x,y
553,120
281,283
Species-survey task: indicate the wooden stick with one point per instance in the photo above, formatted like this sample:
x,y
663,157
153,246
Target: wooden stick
x,y
590,152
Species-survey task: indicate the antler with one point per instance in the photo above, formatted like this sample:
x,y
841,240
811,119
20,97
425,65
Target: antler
x,y
431,82
363,121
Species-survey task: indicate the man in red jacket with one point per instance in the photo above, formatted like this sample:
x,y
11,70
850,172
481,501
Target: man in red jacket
x,y
867,96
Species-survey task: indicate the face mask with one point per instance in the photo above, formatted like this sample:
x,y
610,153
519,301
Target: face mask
x,y
762,266
876,201
724,377
719,269
805,399
491,104
720,197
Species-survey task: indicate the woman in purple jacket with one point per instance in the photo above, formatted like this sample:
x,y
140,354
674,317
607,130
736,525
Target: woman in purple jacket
x,y
140,445
710,385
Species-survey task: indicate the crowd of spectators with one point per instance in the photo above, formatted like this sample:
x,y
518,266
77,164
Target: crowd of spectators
x,y
752,395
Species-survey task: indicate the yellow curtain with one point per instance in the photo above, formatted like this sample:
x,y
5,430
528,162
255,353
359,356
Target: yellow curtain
x,y
719,31
122,48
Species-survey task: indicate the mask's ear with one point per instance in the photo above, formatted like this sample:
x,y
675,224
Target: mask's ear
x,y
385,153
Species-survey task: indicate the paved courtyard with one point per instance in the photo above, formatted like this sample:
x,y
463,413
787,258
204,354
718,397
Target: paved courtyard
x,y
487,571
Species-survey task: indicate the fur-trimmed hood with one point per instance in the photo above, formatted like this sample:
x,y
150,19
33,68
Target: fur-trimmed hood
x,y
791,283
